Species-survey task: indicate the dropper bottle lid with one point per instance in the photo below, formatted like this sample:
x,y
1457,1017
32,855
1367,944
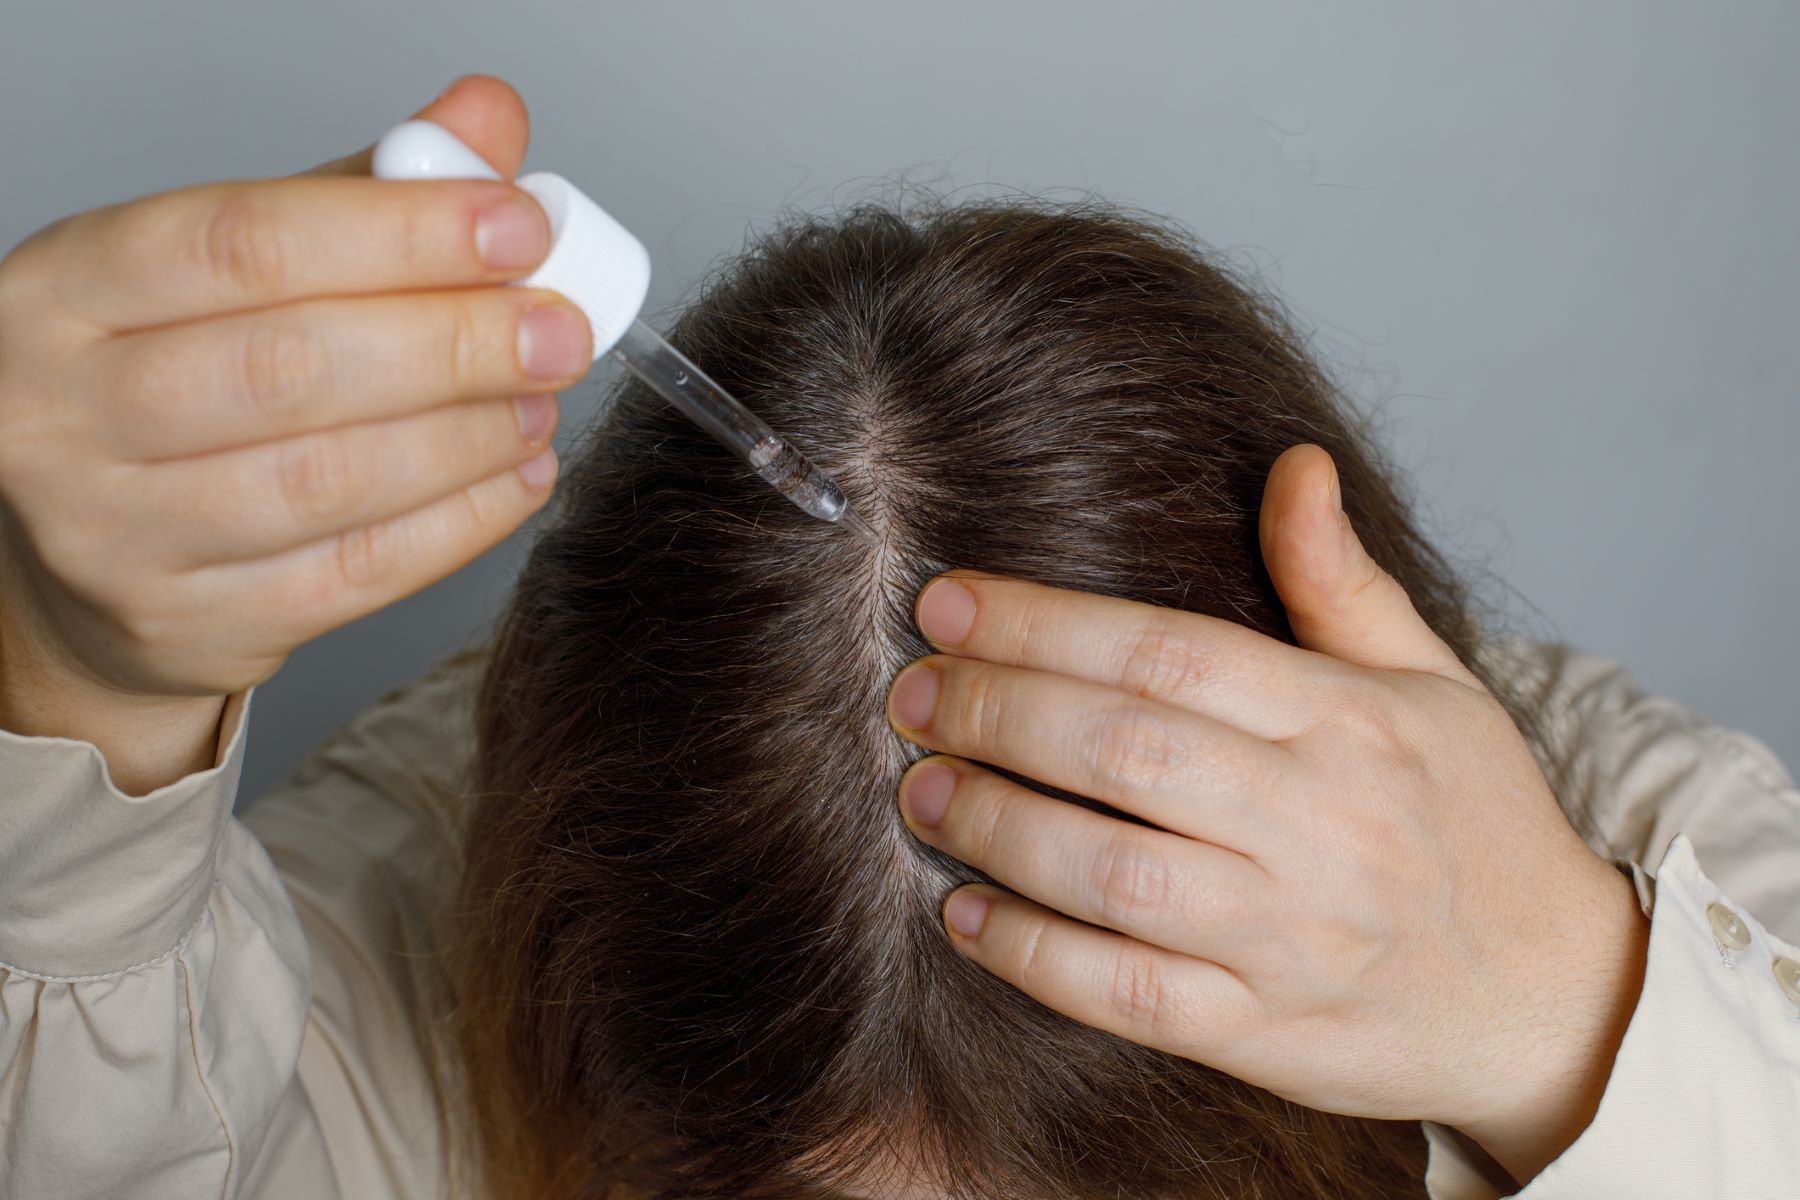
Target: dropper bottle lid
x,y
605,272
594,261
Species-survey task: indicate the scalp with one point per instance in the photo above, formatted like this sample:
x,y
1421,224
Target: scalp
x,y
692,866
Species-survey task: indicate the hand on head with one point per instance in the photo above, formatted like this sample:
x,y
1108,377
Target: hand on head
x,y
1343,894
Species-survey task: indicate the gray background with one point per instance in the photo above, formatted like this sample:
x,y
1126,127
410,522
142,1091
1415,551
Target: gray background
x,y
1552,246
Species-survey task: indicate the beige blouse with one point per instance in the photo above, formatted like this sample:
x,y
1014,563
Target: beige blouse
x,y
197,1006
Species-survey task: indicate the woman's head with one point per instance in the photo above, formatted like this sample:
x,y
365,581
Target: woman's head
x,y
704,955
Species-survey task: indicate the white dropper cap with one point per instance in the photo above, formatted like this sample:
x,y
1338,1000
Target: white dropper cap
x,y
593,260
598,265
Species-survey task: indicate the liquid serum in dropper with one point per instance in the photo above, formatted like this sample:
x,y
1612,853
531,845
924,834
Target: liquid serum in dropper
x,y
605,272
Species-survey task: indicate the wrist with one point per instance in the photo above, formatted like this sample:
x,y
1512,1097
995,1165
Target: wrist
x,y
146,741
1593,1005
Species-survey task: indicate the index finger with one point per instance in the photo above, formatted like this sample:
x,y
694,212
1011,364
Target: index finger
x,y
219,248
1217,668
1160,998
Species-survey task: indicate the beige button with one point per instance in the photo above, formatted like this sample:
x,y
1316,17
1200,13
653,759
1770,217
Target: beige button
x,y
1728,927
1787,974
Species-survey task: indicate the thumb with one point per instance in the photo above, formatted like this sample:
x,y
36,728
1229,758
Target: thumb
x,y
1339,600
487,114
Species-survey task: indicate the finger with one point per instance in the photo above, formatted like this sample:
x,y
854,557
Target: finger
x,y
485,113
209,385
1206,665
1155,997
331,582
201,251
1339,601
1158,887
273,496
1182,771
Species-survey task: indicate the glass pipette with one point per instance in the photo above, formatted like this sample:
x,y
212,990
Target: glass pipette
x,y
605,272
674,377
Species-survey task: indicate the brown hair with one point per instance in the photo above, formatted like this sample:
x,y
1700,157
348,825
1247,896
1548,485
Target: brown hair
x,y
704,956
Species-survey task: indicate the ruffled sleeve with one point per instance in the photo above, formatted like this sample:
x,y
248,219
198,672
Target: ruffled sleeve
x,y
154,983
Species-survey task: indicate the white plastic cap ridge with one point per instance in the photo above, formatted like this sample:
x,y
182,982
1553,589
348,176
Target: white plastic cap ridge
x,y
594,261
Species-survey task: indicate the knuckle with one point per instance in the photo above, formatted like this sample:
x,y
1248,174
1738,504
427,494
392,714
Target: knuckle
x,y
152,376
241,248
315,478
982,706
1370,577
413,241
1133,751
71,551
1159,661
477,435
1327,966
1029,627
1365,839
1139,989
471,345
1030,952
366,554
1133,881
483,511
1376,723
128,596
75,541
150,621
1231,773
283,364
983,823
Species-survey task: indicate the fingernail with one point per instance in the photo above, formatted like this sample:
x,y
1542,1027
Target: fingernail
x,y
536,415
915,695
1337,496
540,471
512,234
926,793
966,912
552,342
946,611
